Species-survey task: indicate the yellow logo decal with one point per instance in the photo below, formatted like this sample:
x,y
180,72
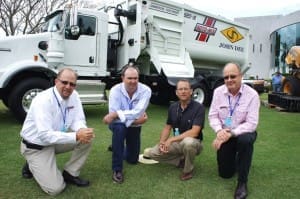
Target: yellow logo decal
x,y
232,34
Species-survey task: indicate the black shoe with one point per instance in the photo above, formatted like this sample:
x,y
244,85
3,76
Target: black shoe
x,y
26,173
75,180
109,148
118,177
241,191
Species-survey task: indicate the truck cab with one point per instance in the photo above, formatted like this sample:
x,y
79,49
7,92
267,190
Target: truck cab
x,y
30,63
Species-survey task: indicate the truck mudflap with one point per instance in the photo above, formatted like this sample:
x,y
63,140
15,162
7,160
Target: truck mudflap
x,y
287,102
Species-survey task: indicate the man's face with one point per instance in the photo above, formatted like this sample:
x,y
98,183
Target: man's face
x,y
232,78
183,91
66,83
130,79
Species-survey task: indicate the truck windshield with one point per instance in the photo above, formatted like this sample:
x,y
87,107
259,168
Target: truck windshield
x,y
52,22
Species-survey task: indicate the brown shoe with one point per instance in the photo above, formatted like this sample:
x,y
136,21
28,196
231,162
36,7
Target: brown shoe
x,y
186,176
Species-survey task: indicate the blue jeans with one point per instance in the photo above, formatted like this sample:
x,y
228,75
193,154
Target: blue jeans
x,y
130,136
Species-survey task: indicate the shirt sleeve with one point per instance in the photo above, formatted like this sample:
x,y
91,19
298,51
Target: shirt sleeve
x,y
252,118
135,112
200,116
213,115
140,105
79,120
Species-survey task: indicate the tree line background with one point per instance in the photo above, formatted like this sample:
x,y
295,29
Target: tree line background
x,y
26,16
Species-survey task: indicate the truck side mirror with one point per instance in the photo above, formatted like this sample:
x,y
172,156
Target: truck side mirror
x,y
72,32
75,30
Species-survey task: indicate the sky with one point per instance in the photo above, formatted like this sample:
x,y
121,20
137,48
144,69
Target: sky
x,y
238,8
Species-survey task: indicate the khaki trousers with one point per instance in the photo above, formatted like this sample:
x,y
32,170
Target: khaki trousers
x,y
188,148
42,164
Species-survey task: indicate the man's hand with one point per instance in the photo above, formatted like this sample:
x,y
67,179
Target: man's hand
x,y
141,120
85,135
164,146
110,117
217,144
222,136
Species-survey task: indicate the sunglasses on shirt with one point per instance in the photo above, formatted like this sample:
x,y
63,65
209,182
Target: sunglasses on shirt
x,y
66,83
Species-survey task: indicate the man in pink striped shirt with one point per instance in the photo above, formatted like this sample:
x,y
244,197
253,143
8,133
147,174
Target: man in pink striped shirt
x,y
234,115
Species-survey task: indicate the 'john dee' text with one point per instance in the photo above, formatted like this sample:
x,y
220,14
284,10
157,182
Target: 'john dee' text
x,y
231,47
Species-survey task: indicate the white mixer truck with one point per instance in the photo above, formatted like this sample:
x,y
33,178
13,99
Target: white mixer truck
x,y
167,40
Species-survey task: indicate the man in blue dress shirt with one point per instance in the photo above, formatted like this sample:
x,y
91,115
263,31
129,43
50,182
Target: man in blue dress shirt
x,y
127,112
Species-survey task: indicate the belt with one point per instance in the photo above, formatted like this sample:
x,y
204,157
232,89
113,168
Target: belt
x,y
31,145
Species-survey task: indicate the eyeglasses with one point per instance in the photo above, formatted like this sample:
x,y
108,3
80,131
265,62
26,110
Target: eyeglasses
x,y
66,83
230,76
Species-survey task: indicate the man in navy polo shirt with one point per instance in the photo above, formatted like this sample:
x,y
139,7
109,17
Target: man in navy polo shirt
x,y
185,122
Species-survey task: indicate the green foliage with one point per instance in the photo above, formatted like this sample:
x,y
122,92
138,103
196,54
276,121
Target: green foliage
x,y
275,171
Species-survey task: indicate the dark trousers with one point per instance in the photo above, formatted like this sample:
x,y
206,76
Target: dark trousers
x,y
236,155
122,135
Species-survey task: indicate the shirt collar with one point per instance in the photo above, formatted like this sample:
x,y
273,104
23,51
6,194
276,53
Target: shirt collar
x,y
188,105
58,96
123,90
226,92
64,103
61,101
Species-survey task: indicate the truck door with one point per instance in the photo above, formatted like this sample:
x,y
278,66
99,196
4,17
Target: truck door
x,y
81,51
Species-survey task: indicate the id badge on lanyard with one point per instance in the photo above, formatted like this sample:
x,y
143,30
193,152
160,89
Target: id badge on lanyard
x,y
64,128
228,120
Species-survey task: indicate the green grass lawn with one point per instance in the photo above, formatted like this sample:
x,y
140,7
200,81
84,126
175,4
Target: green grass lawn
x,y
275,171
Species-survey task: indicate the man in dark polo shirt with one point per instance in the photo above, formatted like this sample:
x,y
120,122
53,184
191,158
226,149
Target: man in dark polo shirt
x,y
180,139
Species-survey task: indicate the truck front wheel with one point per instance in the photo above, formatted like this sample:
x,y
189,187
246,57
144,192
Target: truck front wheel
x,y
22,95
201,95
5,101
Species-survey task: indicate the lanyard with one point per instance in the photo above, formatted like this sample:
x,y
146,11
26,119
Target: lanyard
x,y
64,113
130,103
230,107
178,116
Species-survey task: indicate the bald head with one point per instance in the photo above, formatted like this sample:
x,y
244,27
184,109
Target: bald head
x,y
65,82
232,77
233,65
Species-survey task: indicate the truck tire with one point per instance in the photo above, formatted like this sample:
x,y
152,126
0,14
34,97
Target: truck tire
x,y
5,101
291,86
22,94
201,94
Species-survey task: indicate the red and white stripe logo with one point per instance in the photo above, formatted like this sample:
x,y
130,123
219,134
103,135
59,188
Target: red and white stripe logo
x,y
205,29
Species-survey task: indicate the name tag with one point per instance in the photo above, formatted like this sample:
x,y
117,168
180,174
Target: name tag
x,y
228,122
64,128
